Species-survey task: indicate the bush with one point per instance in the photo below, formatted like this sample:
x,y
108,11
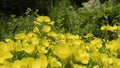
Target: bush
x,y
12,24
86,19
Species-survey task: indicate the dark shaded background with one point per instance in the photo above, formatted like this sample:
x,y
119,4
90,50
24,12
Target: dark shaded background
x,y
18,7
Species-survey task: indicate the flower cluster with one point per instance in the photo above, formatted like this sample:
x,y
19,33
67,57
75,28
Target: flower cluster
x,y
110,28
44,48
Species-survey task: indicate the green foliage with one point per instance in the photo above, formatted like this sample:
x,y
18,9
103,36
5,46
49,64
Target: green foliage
x,y
115,15
87,19
92,16
9,26
77,21
3,28
65,16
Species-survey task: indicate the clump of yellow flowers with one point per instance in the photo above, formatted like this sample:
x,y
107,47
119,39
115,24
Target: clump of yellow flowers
x,y
110,28
44,48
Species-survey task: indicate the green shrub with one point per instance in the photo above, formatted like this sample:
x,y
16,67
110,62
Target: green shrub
x,y
65,17
9,26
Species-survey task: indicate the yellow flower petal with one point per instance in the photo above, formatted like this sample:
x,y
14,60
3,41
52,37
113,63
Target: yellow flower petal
x,y
43,19
42,62
36,30
20,36
46,28
52,34
63,51
81,56
53,62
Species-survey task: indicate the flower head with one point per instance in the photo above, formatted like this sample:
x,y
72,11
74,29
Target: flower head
x,y
36,30
43,19
81,56
41,62
63,51
46,28
54,62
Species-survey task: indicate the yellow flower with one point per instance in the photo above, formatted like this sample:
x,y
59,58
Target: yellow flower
x,y
60,36
43,19
26,62
78,66
4,47
53,62
106,27
34,40
30,35
23,63
119,35
36,23
5,64
8,40
116,63
114,27
18,46
4,56
81,55
105,60
113,46
46,19
95,56
46,28
96,66
41,50
96,43
29,49
110,28
63,51
69,36
51,23
118,27
16,64
36,30
52,34
45,42
89,35
76,42
41,62
20,36
76,37
110,60
40,19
